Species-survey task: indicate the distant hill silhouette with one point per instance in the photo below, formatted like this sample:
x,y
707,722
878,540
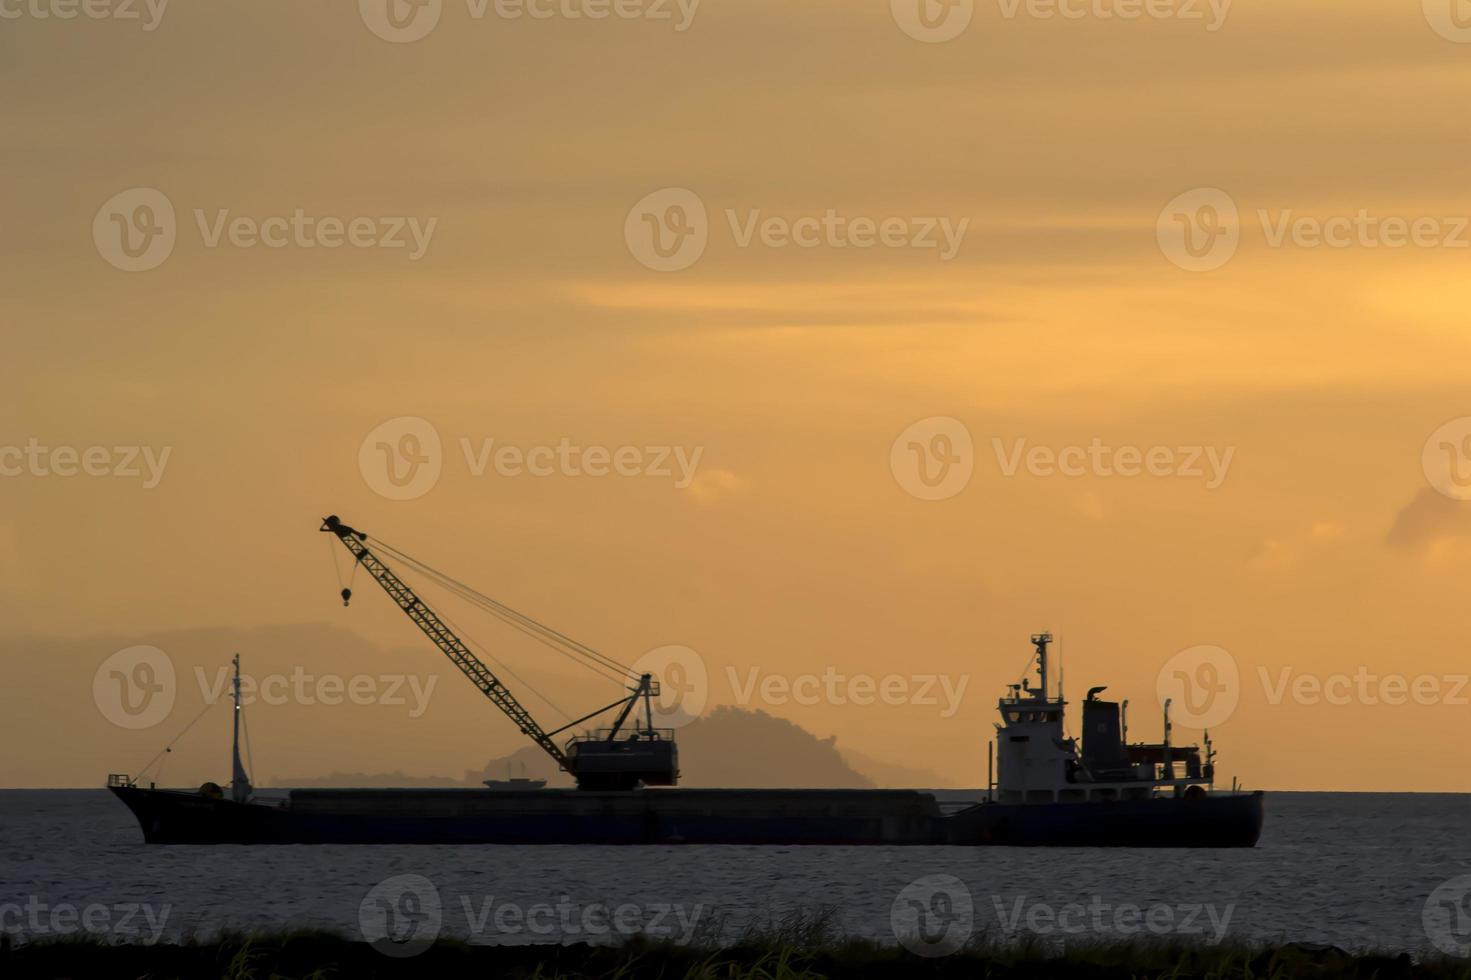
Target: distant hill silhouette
x,y
730,747
739,748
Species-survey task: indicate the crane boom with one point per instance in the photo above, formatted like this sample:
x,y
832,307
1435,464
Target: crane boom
x,y
443,637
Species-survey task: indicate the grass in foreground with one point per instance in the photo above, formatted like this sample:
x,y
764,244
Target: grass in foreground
x,y
800,947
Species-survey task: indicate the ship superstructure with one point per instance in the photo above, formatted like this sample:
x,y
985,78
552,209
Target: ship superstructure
x,y
1037,762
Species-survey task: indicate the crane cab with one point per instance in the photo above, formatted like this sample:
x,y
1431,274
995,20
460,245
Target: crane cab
x,y
619,758
605,761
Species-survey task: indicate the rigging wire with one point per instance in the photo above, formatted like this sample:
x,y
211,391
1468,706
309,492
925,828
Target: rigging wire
x,y
559,642
488,602
501,666
170,746
337,567
249,757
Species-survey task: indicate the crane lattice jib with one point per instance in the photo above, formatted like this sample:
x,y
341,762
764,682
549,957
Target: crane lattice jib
x,y
442,637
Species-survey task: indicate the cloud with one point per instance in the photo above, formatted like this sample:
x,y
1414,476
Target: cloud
x,y
1285,552
711,485
1428,519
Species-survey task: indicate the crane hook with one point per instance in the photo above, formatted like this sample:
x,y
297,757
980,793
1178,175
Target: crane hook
x,y
346,596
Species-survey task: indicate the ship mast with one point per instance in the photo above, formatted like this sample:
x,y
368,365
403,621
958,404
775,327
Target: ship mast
x,y
1040,641
239,780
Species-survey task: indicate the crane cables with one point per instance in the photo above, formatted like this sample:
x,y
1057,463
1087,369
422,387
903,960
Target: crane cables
x,y
575,651
483,653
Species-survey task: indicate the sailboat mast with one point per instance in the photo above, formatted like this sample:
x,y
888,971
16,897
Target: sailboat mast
x,y
239,780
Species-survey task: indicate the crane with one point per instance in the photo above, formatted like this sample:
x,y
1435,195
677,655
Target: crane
x,y
600,760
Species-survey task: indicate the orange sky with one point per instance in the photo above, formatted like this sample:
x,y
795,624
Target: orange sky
x,y
529,319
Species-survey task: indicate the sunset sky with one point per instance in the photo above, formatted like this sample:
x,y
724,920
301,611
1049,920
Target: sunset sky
x,y
523,151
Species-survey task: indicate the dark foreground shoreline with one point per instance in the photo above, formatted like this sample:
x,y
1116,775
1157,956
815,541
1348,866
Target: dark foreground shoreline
x,y
311,954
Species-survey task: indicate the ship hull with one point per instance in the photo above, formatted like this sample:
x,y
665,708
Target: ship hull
x,y
751,817
1233,820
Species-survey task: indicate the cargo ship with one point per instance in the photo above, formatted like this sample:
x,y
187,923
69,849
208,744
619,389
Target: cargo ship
x,y
1045,788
